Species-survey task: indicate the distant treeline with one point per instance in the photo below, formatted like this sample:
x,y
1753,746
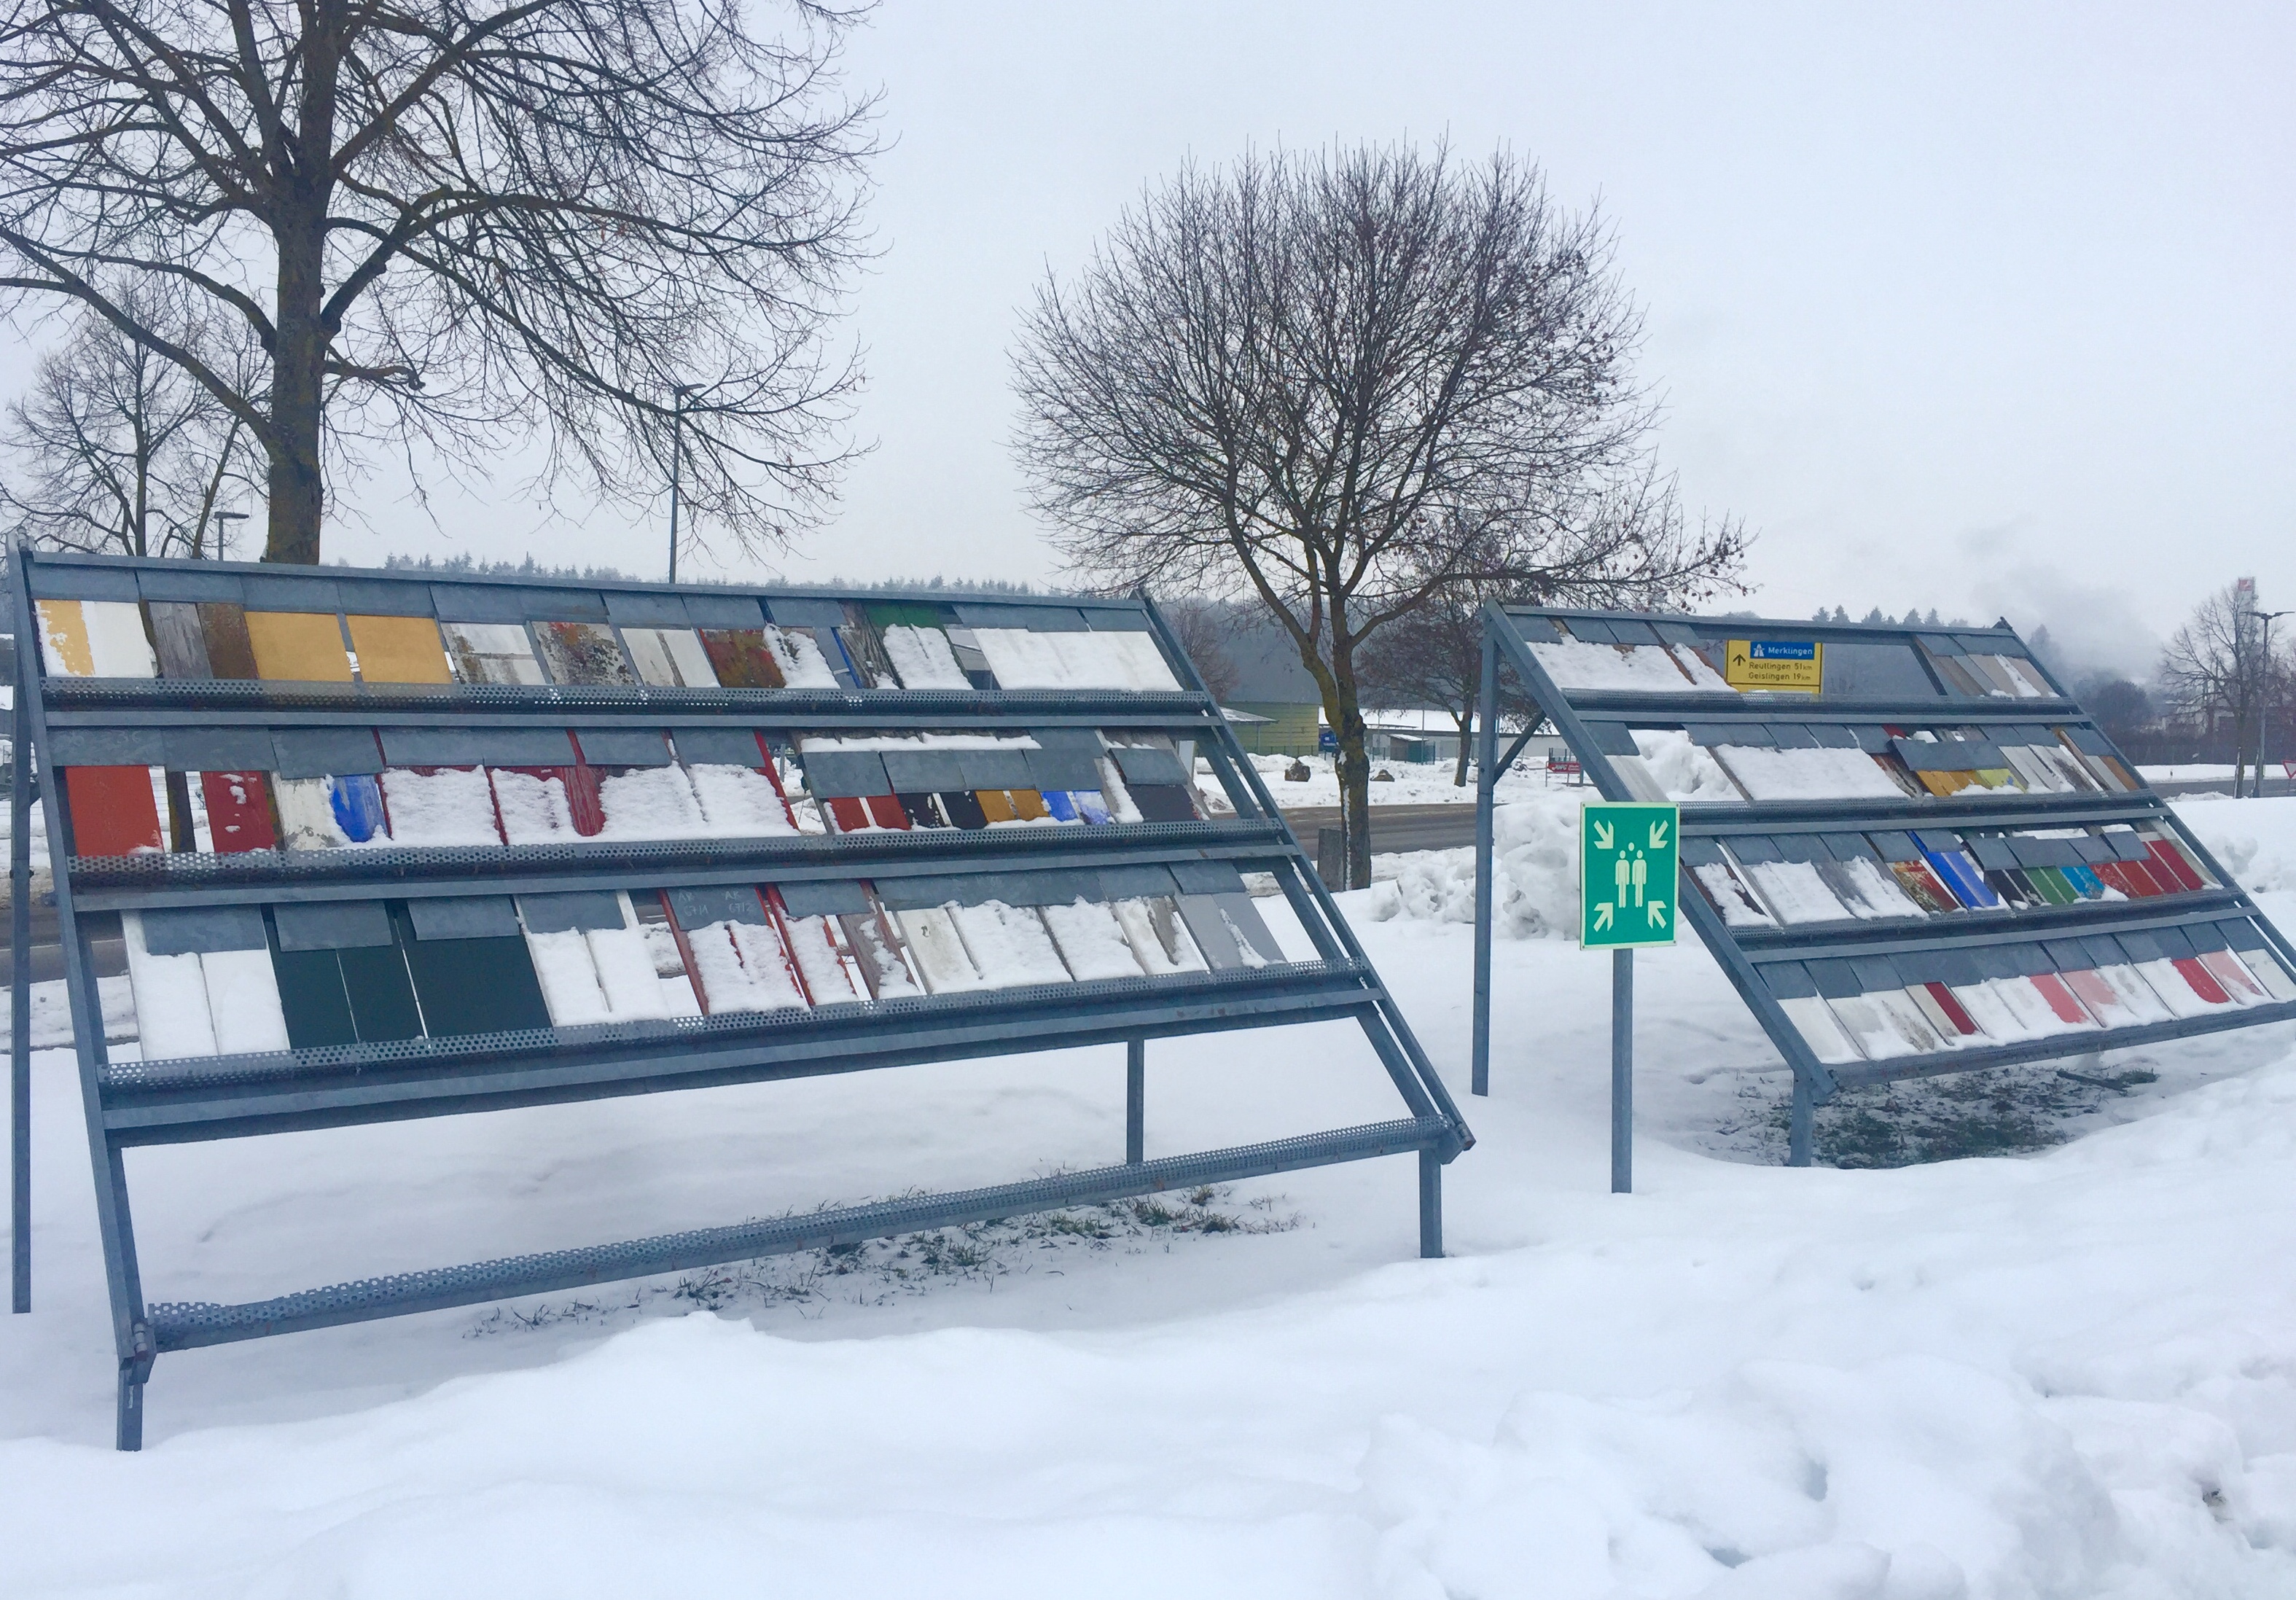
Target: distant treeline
x,y
468,566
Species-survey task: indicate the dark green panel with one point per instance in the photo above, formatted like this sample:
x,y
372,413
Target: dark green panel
x,y
475,985
311,996
381,997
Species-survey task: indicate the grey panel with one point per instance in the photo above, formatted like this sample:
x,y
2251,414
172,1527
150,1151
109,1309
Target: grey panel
x,y
622,747
2089,741
1955,967
1700,852
1143,882
2057,852
2204,938
106,747
2065,954
2092,851
1611,738
1829,736
1937,839
2029,960
923,771
994,768
724,610
1060,888
1789,981
1209,930
2141,944
1537,631
1084,739
839,773
1876,671
1895,845
1051,619
54,580
1062,769
718,747
1589,631
381,598
1801,846
1835,980
798,611
1874,974
1994,854
582,911
1244,918
2125,846
720,903
2242,935
332,925
1996,961
1207,877
1850,847
523,747
1625,631
2174,943
477,602
186,930
277,592
1938,645
442,747
188,583
1678,633
468,916
1711,734
219,749
918,893
1148,764
312,752
1873,740
639,608
1792,736
1116,619
1754,850
841,898
563,606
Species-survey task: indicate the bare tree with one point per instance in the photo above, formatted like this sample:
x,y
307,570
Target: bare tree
x,y
118,449
1204,628
458,228
2215,670
1338,383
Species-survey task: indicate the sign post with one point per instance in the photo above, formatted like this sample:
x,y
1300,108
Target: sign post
x,y
1629,867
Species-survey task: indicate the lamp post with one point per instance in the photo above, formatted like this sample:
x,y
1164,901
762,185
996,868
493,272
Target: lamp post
x,y
225,517
678,391
2264,692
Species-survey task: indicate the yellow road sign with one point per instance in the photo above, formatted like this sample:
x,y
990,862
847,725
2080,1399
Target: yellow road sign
x,y
1790,664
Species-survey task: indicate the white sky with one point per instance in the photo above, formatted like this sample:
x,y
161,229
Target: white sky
x,y
1955,307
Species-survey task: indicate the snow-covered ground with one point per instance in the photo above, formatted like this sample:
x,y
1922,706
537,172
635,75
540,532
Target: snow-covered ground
x,y
1412,783
2070,1373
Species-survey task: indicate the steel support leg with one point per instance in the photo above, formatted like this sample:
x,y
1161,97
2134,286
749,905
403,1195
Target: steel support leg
x,y
1135,1102
135,1372
1486,779
1798,1131
1431,1204
19,1019
1622,1071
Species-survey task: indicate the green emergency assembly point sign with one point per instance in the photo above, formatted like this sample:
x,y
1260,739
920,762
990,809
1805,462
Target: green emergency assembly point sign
x,y
1628,856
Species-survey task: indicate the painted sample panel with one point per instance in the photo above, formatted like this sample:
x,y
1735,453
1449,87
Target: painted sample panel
x,y
399,650
113,810
298,646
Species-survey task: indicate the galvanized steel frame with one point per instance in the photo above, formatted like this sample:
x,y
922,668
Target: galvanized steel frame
x,y
1741,953
213,1098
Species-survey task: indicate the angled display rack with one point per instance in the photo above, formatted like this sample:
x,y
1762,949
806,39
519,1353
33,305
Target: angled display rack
x,y
387,845
1928,859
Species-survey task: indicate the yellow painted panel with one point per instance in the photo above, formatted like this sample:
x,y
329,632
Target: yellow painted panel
x,y
399,650
63,637
304,646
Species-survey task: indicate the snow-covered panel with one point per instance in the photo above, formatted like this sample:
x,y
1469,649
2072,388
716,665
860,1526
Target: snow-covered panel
x,y
1646,668
923,659
450,806
1780,774
172,1015
739,803
1091,941
534,808
650,802
1008,945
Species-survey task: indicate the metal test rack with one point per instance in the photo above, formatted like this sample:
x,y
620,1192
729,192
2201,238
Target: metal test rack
x,y
172,722
1597,723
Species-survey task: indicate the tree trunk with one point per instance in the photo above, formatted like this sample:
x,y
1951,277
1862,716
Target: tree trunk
x,y
1354,766
1466,722
299,359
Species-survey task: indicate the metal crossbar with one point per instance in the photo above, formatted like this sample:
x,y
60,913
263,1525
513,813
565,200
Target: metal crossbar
x,y
130,1104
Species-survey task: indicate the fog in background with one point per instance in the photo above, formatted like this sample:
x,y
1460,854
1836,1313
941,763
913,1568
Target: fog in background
x,y
1983,311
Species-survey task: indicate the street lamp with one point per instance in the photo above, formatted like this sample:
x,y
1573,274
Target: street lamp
x,y
2264,716
223,533
678,392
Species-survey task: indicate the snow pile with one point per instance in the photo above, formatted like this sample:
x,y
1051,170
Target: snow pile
x,y
2253,839
1535,848
1683,769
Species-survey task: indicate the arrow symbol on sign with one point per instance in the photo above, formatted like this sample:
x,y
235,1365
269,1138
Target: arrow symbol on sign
x,y
1658,836
1602,916
1658,914
1602,836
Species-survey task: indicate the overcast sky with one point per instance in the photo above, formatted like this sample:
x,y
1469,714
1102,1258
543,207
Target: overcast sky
x,y
1985,308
